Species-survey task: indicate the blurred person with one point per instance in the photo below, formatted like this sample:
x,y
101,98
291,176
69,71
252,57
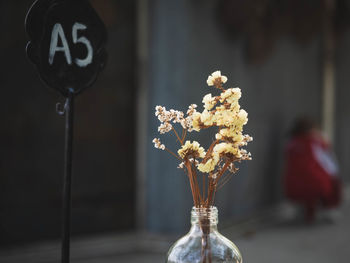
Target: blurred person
x,y
311,178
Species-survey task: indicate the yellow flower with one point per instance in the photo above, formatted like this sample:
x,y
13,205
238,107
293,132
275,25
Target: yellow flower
x,y
225,148
231,95
207,118
209,101
209,165
196,122
242,117
191,149
224,117
216,76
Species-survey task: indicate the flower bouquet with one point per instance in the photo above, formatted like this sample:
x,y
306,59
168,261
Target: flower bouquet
x,y
207,169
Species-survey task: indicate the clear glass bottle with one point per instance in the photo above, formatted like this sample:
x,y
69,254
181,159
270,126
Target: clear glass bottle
x,y
204,244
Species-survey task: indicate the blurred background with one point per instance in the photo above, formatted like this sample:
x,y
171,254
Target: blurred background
x,y
291,58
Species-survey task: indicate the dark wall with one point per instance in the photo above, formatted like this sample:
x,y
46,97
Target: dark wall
x,y
32,136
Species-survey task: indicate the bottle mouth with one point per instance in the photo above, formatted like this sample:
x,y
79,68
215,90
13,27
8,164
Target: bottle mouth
x,y
204,215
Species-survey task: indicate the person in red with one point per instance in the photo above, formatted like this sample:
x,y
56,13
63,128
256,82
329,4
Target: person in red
x,y
311,170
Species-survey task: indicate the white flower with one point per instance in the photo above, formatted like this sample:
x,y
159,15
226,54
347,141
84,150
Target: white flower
x,y
232,168
245,155
218,136
181,165
168,116
158,144
216,76
191,109
176,116
187,123
165,127
162,114
214,176
195,161
248,138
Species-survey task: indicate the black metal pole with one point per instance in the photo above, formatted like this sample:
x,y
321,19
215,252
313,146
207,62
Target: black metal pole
x,y
61,74
66,227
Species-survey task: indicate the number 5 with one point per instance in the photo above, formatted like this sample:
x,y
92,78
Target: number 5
x,y
83,40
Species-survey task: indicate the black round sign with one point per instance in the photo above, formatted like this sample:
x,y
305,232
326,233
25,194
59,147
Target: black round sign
x,y
67,40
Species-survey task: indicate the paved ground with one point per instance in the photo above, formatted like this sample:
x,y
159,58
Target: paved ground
x,y
287,242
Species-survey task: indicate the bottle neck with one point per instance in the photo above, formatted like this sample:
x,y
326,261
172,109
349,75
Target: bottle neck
x,y
205,218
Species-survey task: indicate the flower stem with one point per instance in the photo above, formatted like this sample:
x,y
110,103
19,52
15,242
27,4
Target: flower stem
x,y
177,157
177,135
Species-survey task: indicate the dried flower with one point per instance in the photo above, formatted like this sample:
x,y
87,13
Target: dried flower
x,y
232,168
164,127
191,149
231,95
191,109
196,123
209,101
216,77
222,112
158,144
209,165
181,165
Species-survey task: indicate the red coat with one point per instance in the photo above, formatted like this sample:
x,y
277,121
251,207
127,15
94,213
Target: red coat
x,y
306,181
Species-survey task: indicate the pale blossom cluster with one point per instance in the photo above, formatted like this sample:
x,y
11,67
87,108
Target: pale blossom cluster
x,y
223,112
209,101
216,78
158,144
186,123
232,168
223,149
166,118
226,113
169,117
191,160
191,149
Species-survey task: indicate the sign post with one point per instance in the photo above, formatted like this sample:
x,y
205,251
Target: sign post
x,y
67,46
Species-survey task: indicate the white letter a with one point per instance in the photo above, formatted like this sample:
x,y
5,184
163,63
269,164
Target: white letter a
x,y
58,31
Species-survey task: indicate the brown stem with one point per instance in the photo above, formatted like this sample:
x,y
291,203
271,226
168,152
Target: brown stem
x,y
203,186
210,150
218,84
205,227
184,134
210,191
223,181
177,157
222,171
199,196
190,177
177,135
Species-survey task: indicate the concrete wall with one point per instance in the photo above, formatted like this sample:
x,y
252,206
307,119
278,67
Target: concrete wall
x,y
186,44
342,140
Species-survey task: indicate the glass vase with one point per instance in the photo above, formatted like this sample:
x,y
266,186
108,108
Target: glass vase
x,y
204,244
